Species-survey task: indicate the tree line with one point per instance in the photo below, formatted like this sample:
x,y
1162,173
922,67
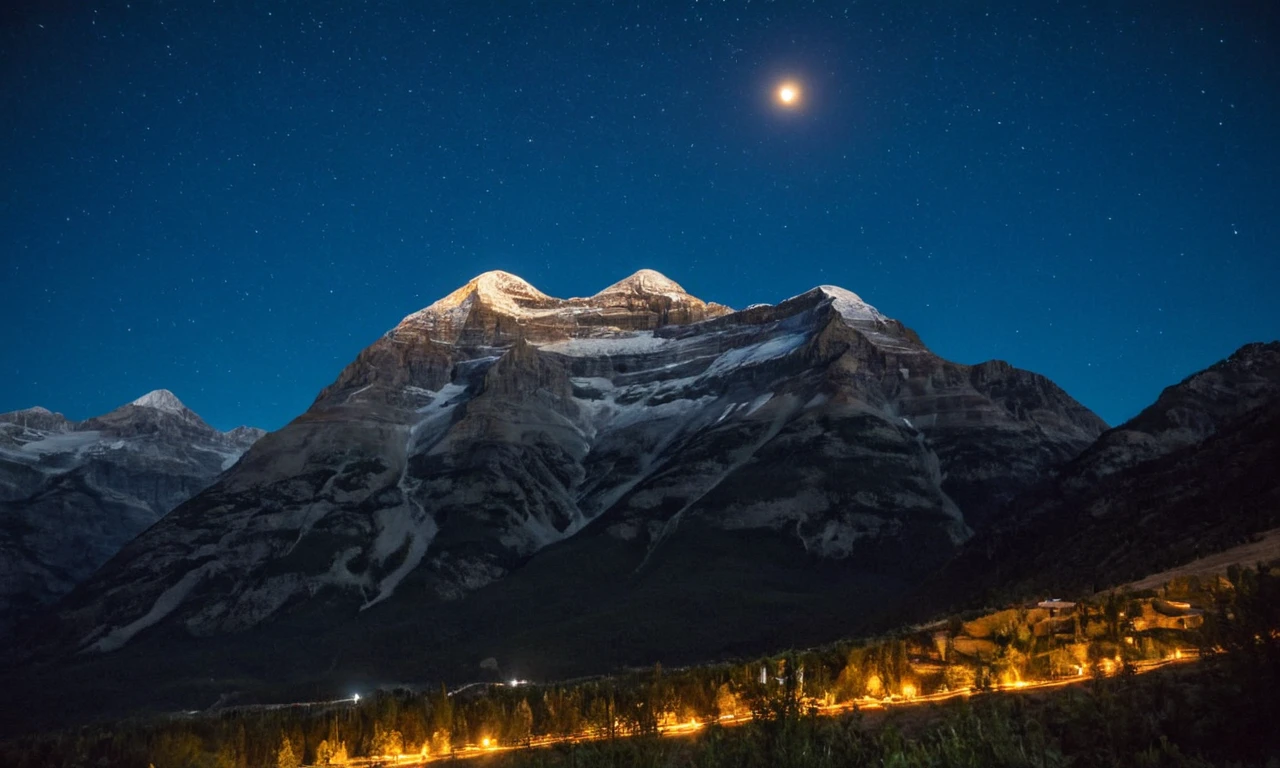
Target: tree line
x,y
786,689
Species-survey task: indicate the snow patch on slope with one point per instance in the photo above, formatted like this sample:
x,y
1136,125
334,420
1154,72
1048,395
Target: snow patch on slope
x,y
67,442
165,604
399,527
229,458
637,344
409,527
757,353
758,403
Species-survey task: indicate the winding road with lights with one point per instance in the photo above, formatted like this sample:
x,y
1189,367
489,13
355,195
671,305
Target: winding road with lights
x,y
694,726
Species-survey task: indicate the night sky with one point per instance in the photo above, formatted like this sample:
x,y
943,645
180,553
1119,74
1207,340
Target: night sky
x,y
230,200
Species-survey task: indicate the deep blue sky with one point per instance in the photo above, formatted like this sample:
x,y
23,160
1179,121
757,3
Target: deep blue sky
x,y
230,199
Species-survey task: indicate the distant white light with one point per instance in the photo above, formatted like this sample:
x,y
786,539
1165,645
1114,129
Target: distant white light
x,y
356,698
514,683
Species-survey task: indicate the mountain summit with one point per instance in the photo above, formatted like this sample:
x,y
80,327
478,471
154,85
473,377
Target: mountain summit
x,y
496,309
497,290
498,306
646,282
161,400
541,476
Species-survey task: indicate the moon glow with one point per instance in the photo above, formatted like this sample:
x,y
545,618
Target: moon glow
x,y
788,94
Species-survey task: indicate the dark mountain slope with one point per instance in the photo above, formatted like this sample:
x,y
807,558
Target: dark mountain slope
x,y
1196,472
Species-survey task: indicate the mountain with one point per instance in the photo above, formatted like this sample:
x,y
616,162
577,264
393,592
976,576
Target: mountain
x,y
1192,474
566,485
72,493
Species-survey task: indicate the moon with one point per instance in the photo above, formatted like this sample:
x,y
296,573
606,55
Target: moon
x,y
788,94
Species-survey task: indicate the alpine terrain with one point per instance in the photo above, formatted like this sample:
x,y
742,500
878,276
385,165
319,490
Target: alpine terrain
x,y
72,493
510,481
1192,474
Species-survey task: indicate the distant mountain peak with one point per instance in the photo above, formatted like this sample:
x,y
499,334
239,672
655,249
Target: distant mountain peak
x,y
161,400
646,281
245,429
37,417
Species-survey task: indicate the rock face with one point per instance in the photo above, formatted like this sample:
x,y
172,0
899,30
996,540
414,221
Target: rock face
x,y
1192,474
72,494
506,473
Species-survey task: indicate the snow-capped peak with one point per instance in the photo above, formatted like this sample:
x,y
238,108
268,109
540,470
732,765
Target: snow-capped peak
x,y
161,400
850,305
629,304
500,290
646,281
504,283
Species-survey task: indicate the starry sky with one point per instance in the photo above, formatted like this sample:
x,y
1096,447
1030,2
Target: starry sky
x,y
231,199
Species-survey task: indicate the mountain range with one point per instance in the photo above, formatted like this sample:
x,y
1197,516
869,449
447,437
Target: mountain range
x,y
73,493
514,483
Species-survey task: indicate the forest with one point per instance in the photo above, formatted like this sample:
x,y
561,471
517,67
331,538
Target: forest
x,y
846,703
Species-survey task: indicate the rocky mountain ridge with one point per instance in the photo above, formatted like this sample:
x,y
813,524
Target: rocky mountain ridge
x,y
1186,413
1192,474
72,493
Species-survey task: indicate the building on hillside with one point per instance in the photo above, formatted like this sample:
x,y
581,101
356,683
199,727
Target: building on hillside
x,y
1057,607
1168,614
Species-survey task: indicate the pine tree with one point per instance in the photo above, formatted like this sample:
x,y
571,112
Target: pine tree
x,y
286,757
324,753
440,721
521,723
